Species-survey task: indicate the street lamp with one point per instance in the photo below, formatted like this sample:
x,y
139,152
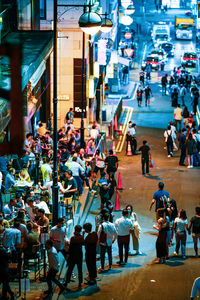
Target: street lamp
x,y
90,23
106,25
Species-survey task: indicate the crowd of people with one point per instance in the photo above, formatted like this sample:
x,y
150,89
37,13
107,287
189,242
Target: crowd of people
x,y
26,182
172,220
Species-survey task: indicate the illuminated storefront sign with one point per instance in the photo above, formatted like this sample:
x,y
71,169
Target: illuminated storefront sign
x,y
96,69
110,71
102,52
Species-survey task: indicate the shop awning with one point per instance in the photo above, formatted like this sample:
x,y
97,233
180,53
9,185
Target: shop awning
x,y
36,47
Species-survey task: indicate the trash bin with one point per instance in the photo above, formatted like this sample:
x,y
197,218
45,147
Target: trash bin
x,y
103,115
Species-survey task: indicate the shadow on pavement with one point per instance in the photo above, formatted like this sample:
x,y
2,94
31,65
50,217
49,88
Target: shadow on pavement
x,y
155,177
174,263
88,291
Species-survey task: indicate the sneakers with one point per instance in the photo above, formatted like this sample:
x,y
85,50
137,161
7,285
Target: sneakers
x,y
168,155
175,253
138,252
184,257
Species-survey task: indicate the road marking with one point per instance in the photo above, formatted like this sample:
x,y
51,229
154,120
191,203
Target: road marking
x,y
130,112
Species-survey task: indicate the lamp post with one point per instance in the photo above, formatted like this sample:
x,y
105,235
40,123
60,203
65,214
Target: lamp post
x,y
90,23
55,136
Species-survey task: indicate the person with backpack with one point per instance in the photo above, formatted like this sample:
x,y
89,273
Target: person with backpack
x,y
169,140
107,235
69,116
160,198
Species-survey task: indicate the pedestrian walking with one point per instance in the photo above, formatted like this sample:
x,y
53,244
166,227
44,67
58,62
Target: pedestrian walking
x,y
111,162
75,256
195,227
145,157
164,82
174,97
191,147
182,94
161,242
182,147
123,226
139,96
90,243
160,198
180,227
169,140
178,117
57,236
135,233
53,268
148,94
107,235
133,139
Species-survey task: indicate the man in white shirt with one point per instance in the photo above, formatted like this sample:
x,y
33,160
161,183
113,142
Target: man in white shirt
x,y
178,117
54,266
77,170
111,235
57,236
123,226
196,286
94,132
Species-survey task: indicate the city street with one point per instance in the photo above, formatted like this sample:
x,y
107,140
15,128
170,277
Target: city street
x,y
79,101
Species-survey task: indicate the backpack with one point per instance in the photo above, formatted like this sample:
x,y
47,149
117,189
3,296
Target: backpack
x,y
169,139
163,201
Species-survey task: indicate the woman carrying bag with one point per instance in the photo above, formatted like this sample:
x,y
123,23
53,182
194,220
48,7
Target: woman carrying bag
x,y
137,229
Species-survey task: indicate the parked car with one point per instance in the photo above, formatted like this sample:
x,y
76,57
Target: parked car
x,y
189,59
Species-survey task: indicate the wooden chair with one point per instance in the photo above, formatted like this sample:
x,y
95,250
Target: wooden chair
x,y
69,206
33,259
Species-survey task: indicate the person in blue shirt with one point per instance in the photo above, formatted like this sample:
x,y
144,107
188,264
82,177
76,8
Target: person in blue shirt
x,y
160,198
3,165
10,180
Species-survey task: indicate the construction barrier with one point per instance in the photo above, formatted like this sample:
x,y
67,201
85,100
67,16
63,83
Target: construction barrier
x,y
129,152
117,205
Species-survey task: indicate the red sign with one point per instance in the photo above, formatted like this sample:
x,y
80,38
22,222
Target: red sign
x,y
128,52
127,35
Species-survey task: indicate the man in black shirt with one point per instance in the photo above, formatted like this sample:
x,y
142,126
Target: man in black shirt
x,y
145,157
90,252
70,185
75,255
112,163
195,225
148,93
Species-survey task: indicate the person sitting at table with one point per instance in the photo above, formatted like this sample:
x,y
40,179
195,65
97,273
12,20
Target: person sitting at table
x,y
30,209
43,222
41,204
9,210
70,185
20,202
10,180
4,223
24,175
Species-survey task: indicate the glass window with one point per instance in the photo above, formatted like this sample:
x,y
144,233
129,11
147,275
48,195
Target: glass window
x,y
43,9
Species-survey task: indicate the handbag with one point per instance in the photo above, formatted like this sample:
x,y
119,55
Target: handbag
x,y
151,163
103,236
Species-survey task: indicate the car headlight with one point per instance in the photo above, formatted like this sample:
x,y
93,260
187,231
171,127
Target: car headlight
x,y
154,65
178,34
